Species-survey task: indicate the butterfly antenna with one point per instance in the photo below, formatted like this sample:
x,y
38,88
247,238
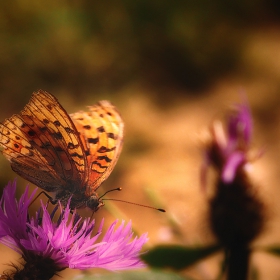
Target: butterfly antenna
x,y
146,206
117,189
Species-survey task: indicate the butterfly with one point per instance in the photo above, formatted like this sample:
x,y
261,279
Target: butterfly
x,y
70,155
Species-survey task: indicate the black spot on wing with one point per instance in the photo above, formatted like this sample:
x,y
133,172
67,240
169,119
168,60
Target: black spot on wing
x,y
104,158
31,133
77,155
43,129
111,135
100,129
57,135
93,140
87,127
99,165
47,144
59,149
71,146
69,130
57,123
103,149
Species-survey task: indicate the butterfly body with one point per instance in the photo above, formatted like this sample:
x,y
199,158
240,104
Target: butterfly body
x,y
70,155
78,198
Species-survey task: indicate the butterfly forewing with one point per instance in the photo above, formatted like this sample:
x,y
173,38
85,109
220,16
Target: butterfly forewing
x,y
63,138
25,158
35,141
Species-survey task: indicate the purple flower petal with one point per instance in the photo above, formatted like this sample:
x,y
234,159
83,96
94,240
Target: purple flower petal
x,y
67,241
231,165
13,216
228,147
240,124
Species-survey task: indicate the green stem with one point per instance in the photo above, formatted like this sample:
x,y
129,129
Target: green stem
x,y
238,262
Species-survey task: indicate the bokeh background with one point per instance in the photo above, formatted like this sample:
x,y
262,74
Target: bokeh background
x,y
171,68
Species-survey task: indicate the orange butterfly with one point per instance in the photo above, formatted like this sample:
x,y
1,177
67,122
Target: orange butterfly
x,y
70,155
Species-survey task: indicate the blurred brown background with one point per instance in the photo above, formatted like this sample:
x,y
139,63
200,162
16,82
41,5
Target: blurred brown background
x,y
170,67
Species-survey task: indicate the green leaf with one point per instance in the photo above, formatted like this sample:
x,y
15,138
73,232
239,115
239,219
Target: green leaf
x,y
136,275
177,257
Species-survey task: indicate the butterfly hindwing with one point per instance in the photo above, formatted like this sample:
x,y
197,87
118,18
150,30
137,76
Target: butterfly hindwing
x,y
101,131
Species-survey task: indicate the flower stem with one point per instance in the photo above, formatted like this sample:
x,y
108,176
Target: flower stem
x,y
238,262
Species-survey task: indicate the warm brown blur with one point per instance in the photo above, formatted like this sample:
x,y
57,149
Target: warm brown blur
x,y
171,68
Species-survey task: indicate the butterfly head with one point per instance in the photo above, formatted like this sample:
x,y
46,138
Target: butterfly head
x,y
94,203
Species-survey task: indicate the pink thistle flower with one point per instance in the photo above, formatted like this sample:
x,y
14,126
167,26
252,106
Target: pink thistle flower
x,y
236,214
228,147
55,244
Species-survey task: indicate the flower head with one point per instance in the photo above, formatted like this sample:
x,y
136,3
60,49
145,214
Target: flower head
x,y
227,150
236,214
66,241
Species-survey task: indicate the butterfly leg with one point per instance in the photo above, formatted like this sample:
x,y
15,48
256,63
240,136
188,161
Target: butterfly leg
x,y
51,200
